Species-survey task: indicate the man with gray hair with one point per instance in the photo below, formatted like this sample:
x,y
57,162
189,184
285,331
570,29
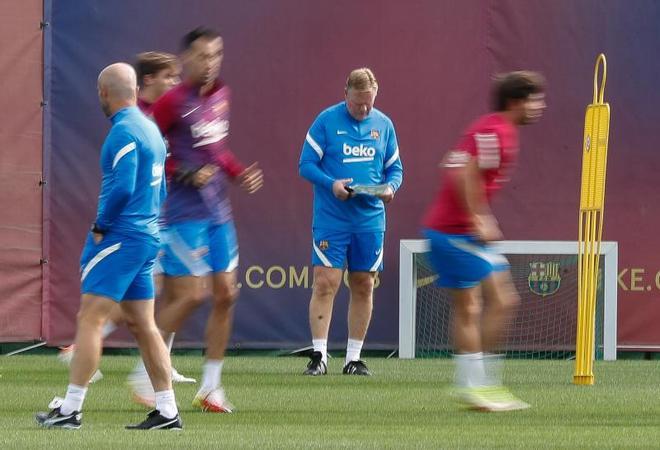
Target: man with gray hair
x,y
117,261
351,156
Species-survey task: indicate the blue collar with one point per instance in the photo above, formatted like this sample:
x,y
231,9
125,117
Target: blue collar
x,y
123,112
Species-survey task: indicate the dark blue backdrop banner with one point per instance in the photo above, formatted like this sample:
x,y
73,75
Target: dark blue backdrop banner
x,y
286,60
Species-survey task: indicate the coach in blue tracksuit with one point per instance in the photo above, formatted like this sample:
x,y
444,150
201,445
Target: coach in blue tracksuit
x,y
117,261
350,144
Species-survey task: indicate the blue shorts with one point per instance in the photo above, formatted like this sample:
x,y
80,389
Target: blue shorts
x,y
362,251
119,267
461,261
198,248
158,264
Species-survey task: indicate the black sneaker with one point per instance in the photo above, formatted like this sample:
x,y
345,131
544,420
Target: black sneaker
x,y
155,421
356,368
316,366
55,419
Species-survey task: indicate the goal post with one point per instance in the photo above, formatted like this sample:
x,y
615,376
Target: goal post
x,y
549,269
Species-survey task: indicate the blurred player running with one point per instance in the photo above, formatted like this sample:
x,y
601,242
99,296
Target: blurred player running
x,y
460,224
200,239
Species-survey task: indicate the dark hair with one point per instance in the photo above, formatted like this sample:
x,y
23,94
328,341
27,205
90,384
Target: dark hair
x,y
515,86
197,33
150,63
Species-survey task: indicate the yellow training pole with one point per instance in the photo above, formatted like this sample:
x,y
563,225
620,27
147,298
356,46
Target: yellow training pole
x,y
590,224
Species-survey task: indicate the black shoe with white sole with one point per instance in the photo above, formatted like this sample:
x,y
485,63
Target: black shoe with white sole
x,y
155,421
316,366
356,368
55,419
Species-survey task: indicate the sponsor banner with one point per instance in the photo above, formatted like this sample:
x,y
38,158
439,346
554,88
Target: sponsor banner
x,y
430,91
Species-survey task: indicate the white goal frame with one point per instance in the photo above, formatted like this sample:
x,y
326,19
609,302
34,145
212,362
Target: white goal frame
x,y
408,292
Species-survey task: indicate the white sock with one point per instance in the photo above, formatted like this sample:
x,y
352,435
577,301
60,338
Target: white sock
x,y
73,401
211,375
353,349
494,369
166,404
170,341
469,370
108,328
321,345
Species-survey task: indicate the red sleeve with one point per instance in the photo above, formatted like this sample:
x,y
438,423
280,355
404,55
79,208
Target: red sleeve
x,y
170,167
164,111
229,163
226,159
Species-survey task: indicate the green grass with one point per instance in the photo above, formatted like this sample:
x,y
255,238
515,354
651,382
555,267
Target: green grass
x,y
405,405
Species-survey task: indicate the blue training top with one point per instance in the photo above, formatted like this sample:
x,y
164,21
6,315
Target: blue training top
x,y
337,146
133,187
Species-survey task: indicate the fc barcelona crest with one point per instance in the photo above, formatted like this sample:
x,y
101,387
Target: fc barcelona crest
x,y
323,245
544,278
375,134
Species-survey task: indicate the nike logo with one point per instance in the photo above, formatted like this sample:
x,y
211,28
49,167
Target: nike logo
x,y
62,418
183,116
165,424
342,132
378,251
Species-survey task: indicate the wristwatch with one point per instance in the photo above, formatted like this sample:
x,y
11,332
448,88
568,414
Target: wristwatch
x,y
95,229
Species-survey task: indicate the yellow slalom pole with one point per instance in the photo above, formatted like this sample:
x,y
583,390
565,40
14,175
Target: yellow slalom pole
x,y
579,364
590,224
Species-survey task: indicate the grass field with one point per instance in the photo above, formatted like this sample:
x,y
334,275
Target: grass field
x,y
406,404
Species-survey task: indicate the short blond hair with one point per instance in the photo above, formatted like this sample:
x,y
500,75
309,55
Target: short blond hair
x,y
362,79
150,63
